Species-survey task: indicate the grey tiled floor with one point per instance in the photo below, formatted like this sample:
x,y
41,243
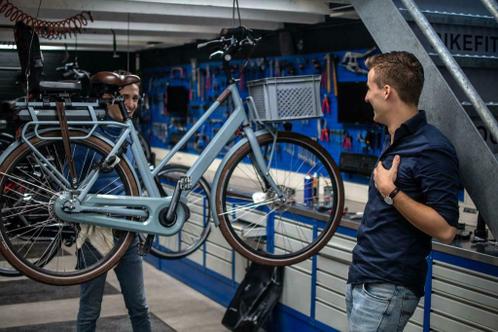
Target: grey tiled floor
x,y
172,302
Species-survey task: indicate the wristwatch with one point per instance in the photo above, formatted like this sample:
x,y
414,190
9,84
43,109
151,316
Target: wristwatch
x,y
389,199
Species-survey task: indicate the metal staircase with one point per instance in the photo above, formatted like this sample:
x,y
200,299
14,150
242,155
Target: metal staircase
x,y
449,97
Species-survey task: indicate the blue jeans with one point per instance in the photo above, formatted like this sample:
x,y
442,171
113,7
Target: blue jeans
x,y
130,275
379,307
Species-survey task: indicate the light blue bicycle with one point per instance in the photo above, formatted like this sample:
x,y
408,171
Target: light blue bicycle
x,y
65,178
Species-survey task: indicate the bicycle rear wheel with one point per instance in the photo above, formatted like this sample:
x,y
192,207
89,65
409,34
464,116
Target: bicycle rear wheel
x,y
279,231
196,229
6,270
33,239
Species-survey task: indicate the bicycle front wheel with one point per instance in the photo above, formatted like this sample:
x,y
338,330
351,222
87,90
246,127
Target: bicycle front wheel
x,y
273,230
33,239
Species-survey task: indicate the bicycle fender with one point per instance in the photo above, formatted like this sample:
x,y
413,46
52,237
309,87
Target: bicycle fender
x,y
9,149
18,142
216,178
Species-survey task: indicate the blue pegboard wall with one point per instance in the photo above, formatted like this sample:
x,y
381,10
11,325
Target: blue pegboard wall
x,y
205,81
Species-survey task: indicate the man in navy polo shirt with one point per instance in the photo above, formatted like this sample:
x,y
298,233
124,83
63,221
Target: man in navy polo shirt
x,y
412,198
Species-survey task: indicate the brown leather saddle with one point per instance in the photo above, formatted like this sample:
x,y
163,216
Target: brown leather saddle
x,y
113,79
112,82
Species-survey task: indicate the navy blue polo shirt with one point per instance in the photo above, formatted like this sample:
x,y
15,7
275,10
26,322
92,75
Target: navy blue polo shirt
x,y
389,249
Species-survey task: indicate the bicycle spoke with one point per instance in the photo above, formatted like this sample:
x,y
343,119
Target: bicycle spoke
x,y
290,159
31,176
104,188
24,211
38,231
29,185
252,177
32,184
249,206
31,228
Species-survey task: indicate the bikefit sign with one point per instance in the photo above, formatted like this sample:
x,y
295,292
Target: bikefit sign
x,y
469,40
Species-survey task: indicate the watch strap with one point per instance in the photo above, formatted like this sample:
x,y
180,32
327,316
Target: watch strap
x,y
394,193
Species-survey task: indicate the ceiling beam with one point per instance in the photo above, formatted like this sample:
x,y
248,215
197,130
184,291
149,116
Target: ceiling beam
x,y
281,13
169,23
296,6
139,26
99,48
121,39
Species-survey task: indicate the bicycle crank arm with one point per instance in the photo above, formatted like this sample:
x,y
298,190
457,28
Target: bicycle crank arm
x,y
121,212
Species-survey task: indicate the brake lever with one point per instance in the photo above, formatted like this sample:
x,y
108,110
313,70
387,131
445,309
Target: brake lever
x,y
214,54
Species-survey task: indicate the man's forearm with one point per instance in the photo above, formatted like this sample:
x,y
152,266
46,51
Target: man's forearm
x,y
424,218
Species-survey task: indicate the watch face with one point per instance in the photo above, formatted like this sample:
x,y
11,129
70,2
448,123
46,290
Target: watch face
x,y
388,200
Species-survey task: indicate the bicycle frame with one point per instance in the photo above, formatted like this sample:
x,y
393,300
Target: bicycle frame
x,y
80,206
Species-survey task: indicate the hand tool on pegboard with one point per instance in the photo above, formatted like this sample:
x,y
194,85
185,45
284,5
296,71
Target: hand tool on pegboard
x,y
261,63
347,141
334,76
215,85
242,78
165,99
350,61
327,73
301,65
198,81
325,105
207,84
317,66
324,132
193,69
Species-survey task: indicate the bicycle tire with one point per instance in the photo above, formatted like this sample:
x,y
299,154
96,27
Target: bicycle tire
x,y
38,189
196,229
7,270
258,234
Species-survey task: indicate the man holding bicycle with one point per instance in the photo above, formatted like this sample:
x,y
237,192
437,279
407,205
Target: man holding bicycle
x,y
412,198
129,270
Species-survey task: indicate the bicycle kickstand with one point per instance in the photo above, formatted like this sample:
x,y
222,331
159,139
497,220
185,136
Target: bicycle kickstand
x,y
144,247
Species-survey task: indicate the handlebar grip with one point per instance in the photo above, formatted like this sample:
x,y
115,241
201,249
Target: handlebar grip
x,y
201,45
216,41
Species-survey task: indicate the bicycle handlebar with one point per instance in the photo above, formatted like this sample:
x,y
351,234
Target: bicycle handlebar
x,y
231,41
211,42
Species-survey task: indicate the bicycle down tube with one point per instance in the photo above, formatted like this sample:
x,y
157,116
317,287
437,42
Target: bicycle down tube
x,y
128,206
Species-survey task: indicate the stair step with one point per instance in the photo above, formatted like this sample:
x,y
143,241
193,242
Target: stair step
x,y
470,60
454,18
452,8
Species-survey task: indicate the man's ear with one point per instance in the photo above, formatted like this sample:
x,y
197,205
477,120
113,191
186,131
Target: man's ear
x,y
387,91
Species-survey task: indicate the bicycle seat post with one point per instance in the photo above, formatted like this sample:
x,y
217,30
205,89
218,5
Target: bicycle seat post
x,y
122,109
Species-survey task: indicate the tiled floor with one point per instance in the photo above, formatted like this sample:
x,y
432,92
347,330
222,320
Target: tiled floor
x,y
29,306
